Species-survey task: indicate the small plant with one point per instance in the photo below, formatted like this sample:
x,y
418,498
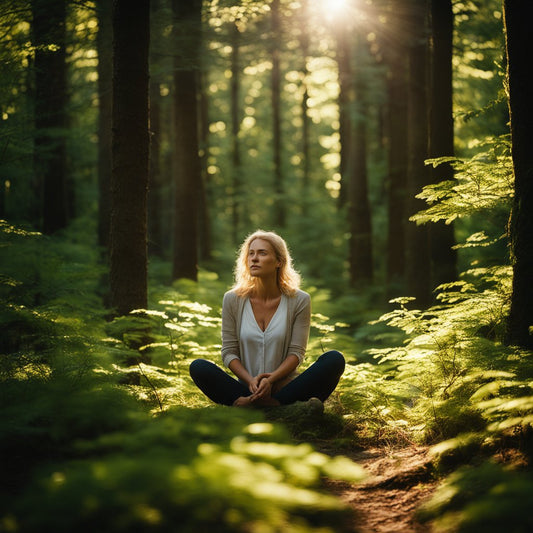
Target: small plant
x,y
161,342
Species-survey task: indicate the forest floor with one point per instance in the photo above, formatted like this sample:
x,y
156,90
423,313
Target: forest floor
x,y
399,480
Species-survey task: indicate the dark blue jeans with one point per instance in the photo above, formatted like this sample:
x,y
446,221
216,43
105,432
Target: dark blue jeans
x,y
318,381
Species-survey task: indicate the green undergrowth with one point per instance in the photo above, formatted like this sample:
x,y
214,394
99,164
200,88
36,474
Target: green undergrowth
x,y
489,497
101,428
471,394
204,469
467,396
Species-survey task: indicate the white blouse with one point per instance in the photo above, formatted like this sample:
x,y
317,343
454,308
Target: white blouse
x,y
262,351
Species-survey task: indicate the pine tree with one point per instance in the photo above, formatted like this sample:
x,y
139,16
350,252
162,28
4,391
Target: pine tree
x,y
517,16
129,184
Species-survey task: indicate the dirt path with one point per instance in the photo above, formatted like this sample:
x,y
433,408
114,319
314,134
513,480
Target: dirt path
x,y
399,481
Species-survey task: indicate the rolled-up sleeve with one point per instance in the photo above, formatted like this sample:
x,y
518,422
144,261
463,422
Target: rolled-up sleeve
x,y
230,340
300,327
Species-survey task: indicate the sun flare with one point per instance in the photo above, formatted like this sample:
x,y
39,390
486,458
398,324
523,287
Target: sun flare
x,y
333,9
336,5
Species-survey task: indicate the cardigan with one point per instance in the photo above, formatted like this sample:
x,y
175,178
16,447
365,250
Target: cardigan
x,y
297,332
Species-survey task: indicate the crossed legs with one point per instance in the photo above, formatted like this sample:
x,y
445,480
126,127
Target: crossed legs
x,y
318,381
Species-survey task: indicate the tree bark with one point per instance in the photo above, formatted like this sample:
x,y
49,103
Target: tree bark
x,y
360,223
306,121
345,88
441,142
418,266
128,272
155,183
237,202
105,105
48,26
517,19
280,213
203,135
155,205
187,28
396,127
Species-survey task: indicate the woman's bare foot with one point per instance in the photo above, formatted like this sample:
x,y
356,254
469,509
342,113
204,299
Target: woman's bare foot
x,y
266,402
251,401
242,401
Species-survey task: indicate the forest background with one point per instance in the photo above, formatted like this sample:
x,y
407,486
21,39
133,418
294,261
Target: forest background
x,y
140,143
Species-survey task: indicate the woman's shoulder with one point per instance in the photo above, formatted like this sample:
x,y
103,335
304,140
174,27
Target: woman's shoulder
x,y
302,294
231,303
232,298
301,297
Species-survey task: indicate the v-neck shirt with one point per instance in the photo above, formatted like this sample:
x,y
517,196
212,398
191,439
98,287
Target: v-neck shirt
x,y
263,351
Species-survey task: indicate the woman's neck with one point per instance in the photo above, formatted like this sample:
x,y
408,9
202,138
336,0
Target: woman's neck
x,y
266,289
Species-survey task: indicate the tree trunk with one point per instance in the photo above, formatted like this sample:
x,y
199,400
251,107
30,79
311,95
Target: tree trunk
x,y
418,266
396,127
155,185
3,200
128,273
237,202
203,135
517,18
360,244
441,235
155,205
280,214
105,104
306,152
187,30
48,25
345,88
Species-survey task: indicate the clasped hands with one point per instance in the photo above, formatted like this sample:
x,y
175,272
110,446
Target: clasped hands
x,y
260,387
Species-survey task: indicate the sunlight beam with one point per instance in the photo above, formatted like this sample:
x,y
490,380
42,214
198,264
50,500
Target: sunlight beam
x,y
334,10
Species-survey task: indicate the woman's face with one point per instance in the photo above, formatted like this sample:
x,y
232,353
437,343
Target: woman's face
x,y
262,260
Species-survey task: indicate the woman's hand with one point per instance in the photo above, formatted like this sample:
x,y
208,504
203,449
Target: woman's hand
x,y
264,389
253,385
260,387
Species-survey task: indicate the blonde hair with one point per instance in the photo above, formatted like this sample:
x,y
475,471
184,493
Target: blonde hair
x,y
288,279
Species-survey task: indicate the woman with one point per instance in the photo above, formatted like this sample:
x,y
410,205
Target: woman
x,y
265,327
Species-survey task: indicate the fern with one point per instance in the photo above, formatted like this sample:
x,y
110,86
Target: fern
x,y
481,184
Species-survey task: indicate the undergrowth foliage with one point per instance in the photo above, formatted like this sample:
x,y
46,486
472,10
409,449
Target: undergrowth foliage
x,y
153,348
450,352
101,428
484,183
459,387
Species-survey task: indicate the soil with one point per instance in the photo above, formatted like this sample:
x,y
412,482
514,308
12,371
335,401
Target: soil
x,y
399,481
